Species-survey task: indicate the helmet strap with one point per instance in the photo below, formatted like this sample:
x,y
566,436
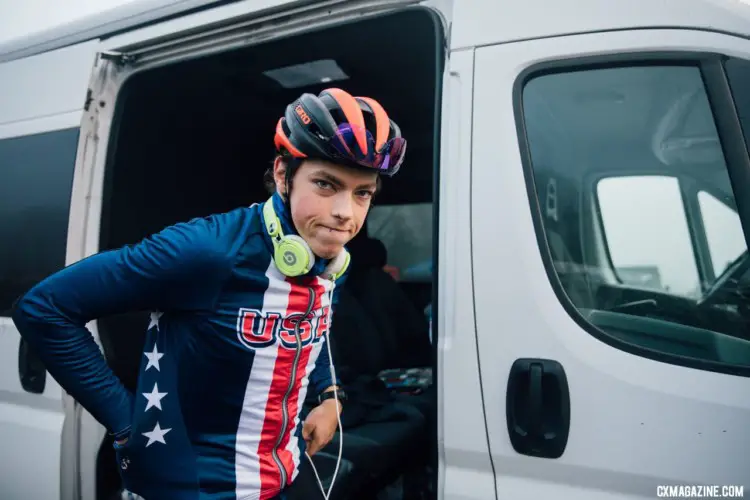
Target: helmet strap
x,y
292,164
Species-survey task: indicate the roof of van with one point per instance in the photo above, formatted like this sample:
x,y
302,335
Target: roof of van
x,y
517,20
546,18
134,14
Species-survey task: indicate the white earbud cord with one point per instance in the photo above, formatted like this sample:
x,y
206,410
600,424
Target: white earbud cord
x,y
336,398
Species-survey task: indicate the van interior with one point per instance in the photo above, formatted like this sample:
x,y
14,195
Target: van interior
x,y
194,138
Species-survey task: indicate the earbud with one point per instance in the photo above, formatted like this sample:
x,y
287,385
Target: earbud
x,y
291,253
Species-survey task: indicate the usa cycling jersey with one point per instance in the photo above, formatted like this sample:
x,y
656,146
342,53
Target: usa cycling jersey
x,y
230,352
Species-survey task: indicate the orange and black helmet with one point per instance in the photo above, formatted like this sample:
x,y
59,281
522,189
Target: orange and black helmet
x,y
341,128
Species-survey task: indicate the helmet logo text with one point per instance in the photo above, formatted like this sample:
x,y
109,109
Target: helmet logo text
x,y
301,113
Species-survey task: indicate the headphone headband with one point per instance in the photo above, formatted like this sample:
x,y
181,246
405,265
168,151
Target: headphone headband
x,y
272,222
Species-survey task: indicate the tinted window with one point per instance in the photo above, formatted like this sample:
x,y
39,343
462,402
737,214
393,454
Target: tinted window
x,y
638,209
36,176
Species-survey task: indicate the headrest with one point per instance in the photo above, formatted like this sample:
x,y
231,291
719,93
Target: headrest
x,y
368,253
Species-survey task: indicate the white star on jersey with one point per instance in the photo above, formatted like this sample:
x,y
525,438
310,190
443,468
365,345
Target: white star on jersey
x,y
153,358
154,320
154,398
156,436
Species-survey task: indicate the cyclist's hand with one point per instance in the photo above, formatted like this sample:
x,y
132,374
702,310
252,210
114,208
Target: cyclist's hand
x,y
320,426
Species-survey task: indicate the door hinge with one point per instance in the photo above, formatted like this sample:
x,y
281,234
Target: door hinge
x,y
89,98
119,58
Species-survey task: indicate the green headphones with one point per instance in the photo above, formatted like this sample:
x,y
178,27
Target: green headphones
x,y
291,253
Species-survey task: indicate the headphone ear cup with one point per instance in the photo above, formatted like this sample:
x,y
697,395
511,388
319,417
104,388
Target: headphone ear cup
x,y
293,256
338,265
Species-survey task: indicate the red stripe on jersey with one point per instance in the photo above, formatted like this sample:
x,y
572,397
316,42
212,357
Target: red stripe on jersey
x,y
270,477
293,401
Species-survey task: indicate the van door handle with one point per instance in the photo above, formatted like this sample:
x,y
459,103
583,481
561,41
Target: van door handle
x,y
537,407
31,370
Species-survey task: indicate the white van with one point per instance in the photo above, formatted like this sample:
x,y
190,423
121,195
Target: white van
x,y
590,337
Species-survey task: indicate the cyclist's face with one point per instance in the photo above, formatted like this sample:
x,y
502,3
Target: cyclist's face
x,y
329,203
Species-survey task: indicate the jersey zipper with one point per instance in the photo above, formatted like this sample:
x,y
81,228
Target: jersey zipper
x,y
284,410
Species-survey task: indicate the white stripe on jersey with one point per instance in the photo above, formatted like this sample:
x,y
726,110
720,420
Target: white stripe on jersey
x,y
249,429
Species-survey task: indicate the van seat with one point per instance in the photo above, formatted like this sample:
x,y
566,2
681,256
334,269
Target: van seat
x,y
383,435
400,338
404,330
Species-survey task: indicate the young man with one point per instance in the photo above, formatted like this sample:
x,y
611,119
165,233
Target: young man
x,y
241,306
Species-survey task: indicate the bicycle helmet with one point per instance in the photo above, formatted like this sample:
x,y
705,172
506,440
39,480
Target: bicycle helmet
x,y
341,128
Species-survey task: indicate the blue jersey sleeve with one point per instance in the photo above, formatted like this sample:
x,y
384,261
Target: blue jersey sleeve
x,y
179,268
320,377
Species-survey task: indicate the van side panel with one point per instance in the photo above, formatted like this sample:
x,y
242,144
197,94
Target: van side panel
x,y
41,104
49,84
31,422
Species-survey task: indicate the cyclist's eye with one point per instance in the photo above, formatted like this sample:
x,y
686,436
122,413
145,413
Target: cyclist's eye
x,y
323,184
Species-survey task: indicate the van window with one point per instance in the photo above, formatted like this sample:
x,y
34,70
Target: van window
x,y
649,241
36,178
642,229
406,232
726,241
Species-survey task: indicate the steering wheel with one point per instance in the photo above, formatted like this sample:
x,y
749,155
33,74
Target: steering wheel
x,y
734,271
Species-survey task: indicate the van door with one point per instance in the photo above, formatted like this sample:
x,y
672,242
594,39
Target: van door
x,y
611,263
122,56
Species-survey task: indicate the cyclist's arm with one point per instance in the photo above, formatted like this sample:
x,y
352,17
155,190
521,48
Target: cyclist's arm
x,y
180,268
320,377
